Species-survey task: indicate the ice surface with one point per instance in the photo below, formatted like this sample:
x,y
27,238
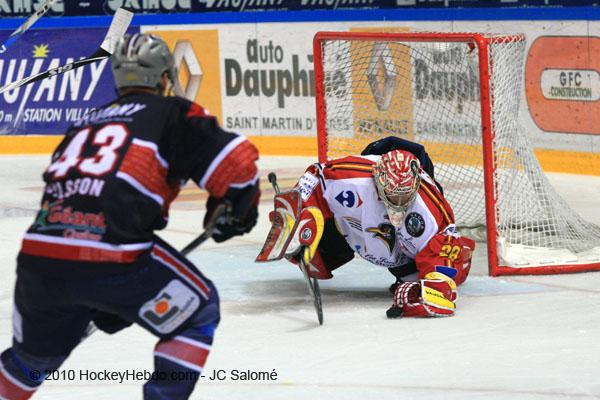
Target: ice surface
x,y
512,337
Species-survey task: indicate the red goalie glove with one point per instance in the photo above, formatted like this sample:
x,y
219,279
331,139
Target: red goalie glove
x,y
430,297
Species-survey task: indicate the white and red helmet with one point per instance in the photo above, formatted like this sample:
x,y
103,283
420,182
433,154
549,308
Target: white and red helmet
x,y
397,178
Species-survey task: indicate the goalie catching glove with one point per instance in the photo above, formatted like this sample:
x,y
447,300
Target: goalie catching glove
x,y
430,297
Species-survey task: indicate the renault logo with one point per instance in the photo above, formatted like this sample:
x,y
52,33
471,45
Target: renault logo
x,y
184,53
382,60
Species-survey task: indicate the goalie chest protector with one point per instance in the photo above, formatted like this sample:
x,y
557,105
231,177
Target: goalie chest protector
x,y
361,217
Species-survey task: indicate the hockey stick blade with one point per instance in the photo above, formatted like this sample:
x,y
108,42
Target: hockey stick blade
x,y
26,25
117,29
119,25
314,290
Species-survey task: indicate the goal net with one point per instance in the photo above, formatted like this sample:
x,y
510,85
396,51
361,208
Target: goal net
x,y
457,94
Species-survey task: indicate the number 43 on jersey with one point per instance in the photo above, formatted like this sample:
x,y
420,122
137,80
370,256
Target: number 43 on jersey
x,y
109,140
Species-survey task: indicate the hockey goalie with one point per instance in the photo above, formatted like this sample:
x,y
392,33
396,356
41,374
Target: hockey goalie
x,y
384,206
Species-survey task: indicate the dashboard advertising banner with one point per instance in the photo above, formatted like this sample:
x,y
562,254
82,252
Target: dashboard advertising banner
x,y
562,84
21,8
268,82
51,105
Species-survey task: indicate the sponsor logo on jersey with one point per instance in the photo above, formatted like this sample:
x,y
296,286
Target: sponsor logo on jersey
x,y
114,112
74,224
307,184
382,261
386,233
306,234
415,224
349,199
451,231
170,308
354,223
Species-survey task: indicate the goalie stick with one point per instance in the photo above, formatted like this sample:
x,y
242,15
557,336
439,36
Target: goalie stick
x,y
26,25
118,26
311,283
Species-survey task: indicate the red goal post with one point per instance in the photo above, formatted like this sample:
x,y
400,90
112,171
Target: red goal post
x,y
458,94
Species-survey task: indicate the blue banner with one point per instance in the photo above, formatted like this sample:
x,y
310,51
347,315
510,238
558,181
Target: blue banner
x,y
51,105
23,8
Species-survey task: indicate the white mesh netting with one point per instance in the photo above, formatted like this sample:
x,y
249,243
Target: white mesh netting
x,y
429,92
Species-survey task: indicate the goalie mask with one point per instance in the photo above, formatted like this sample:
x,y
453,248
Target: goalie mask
x,y
140,60
397,177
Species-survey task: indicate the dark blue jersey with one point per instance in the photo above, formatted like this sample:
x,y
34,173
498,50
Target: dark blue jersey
x,y
112,179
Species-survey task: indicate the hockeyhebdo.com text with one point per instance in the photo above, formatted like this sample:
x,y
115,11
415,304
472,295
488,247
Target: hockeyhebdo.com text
x,y
131,375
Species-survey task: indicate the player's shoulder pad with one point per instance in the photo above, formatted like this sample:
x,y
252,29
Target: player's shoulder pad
x,y
425,176
190,108
436,203
349,167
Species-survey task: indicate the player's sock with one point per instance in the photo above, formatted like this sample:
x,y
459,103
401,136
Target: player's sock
x,y
179,362
21,374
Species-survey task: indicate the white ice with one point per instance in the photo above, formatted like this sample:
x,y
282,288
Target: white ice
x,y
512,337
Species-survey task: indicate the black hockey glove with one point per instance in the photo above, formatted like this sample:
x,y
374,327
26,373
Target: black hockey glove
x,y
241,215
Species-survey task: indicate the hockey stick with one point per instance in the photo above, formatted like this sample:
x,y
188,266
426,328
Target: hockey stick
x,y
311,283
26,25
118,26
221,210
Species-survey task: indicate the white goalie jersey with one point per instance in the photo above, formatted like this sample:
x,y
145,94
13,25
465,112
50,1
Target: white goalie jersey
x,y
344,190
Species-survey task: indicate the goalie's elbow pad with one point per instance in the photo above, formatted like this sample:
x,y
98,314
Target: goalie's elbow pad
x,y
430,297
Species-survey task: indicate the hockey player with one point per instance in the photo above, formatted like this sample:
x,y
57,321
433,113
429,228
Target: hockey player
x,y
390,212
92,254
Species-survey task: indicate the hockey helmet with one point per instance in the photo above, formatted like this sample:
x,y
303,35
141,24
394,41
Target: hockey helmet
x,y
397,177
140,60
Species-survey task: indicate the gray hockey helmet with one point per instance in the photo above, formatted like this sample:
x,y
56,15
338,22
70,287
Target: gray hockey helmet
x,y
140,60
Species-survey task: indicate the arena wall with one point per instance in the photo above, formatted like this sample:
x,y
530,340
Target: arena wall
x,y
254,72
